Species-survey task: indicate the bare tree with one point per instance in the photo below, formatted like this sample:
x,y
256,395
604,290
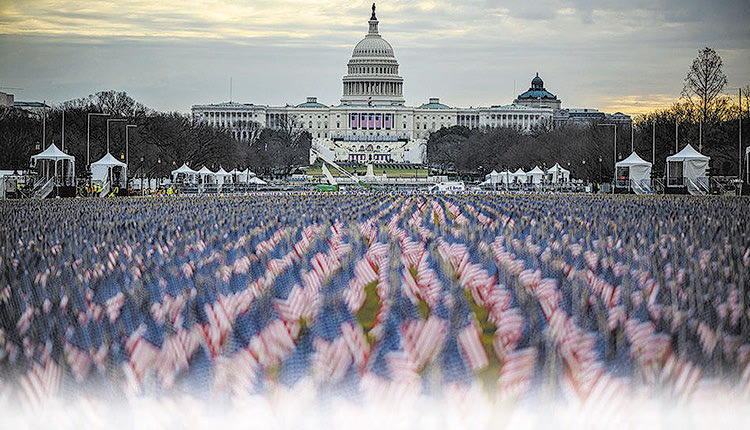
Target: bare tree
x,y
704,83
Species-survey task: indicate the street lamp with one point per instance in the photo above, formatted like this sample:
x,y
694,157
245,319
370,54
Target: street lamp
x,y
126,141
109,121
88,136
614,153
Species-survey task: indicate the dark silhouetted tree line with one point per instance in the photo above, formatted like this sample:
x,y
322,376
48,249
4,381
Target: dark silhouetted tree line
x,y
160,143
587,150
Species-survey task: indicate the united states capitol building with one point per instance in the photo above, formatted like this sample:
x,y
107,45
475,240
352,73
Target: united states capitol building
x,y
372,124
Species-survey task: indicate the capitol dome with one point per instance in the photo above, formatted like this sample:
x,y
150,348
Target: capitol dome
x,y
372,77
373,46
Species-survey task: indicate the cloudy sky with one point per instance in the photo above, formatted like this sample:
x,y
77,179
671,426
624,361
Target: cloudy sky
x,y
169,54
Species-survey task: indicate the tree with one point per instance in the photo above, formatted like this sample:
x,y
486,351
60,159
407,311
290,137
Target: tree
x,y
20,132
703,86
280,150
443,145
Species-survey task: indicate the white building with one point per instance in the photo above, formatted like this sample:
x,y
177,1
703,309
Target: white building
x,y
372,122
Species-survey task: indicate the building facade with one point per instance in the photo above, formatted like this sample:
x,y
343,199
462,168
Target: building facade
x,y
372,123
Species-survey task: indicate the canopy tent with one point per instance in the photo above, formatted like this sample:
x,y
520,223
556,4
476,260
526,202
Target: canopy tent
x,y
206,176
633,168
55,164
687,168
535,175
257,181
557,173
223,177
506,176
243,176
184,174
519,176
492,178
104,170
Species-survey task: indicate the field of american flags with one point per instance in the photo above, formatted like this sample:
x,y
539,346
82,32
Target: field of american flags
x,y
492,302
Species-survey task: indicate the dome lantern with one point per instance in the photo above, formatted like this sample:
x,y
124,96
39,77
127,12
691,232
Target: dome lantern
x,y
537,83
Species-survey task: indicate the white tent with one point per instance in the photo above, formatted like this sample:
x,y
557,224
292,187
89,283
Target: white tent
x,y
557,173
633,168
519,176
535,175
223,177
256,180
55,164
687,168
506,176
207,176
243,176
104,170
492,178
185,174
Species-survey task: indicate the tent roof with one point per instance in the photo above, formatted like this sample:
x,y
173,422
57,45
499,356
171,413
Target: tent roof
x,y
108,160
519,172
184,169
494,172
206,171
558,166
256,180
222,172
52,153
535,171
688,153
633,160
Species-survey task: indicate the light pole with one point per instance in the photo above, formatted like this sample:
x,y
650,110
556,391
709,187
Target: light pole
x,y
129,126
109,121
88,136
632,143
614,154
44,127
739,165
653,143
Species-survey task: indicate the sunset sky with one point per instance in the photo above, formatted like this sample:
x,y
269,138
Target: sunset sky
x,y
611,55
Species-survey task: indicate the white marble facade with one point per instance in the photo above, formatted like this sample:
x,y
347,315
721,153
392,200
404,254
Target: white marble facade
x,y
371,124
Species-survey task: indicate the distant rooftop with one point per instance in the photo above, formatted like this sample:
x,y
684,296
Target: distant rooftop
x,y
20,104
312,102
434,103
